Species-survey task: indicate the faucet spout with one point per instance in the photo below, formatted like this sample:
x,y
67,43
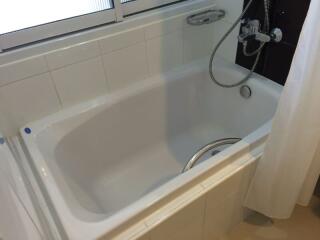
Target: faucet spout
x,y
252,31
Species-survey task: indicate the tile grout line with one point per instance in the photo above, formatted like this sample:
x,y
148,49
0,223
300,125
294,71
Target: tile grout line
x,y
53,82
101,53
75,62
147,53
24,78
105,72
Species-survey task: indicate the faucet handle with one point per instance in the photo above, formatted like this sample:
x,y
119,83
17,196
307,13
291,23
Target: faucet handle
x,y
244,37
250,26
244,21
249,30
254,26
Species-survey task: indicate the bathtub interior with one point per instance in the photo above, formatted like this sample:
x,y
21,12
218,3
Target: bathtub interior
x,y
107,157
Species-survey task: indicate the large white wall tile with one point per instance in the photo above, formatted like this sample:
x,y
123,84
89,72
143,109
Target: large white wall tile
x,y
165,53
73,54
224,202
22,69
126,66
198,41
221,217
186,224
233,9
228,49
80,81
29,99
167,26
121,40
125,57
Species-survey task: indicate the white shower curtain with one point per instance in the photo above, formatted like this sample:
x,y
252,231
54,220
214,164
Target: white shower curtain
x,y
290,166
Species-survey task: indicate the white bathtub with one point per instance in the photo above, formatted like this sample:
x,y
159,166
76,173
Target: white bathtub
x,y
103,162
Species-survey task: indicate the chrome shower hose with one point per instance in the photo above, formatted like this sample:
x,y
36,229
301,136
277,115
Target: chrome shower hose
x,y
255,52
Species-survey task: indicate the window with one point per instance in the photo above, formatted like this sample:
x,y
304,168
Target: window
x,y
133,6
23,22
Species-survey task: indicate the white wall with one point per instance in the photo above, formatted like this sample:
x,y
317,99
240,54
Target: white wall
x,y
42,79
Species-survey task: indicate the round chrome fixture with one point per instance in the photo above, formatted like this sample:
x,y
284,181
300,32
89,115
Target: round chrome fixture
x,y
245,91
276,35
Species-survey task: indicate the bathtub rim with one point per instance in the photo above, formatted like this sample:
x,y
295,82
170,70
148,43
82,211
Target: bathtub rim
x,y
97,229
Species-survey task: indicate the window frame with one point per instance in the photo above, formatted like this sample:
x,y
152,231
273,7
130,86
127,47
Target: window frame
x,y
136,6
57,28
78,23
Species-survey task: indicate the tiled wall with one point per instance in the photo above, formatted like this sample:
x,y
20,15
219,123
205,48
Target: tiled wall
x,y
207,211
210,216
39,85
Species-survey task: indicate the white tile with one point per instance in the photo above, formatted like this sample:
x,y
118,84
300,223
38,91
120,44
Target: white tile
x,y
80,81
72,54
247,176
126,66
228,49
29,99
22,69
165,53
176,202
187,224
233,9
221,217
198,41
121,40
224,203
164,27
237,182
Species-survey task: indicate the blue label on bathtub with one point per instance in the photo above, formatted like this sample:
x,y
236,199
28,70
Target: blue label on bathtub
x,y
2,141
27,130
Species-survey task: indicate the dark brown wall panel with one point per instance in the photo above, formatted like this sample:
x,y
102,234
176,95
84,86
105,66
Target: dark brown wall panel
x,y
276,59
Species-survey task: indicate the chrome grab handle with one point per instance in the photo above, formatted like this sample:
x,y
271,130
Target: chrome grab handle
x,y
205,17
208,147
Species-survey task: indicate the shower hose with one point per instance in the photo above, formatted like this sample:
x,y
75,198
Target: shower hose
x,y
256,52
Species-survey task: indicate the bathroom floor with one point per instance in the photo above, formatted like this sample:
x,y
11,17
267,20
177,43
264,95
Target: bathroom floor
x,y
304,224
